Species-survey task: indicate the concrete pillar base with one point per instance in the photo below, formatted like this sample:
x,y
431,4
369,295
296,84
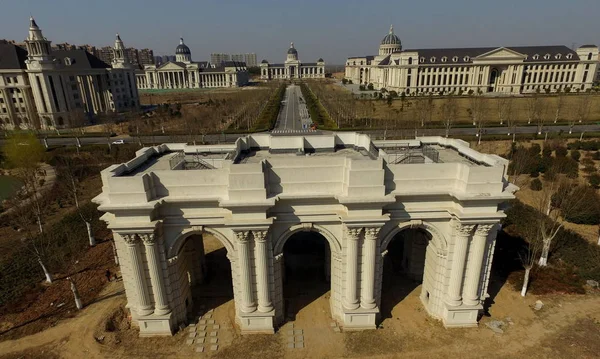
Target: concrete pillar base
x,y
156,325
463,316
256,322
360,319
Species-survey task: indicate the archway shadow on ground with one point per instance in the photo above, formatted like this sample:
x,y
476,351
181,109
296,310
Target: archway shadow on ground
x,y
397,282
396,286
506,261
217,287
305,278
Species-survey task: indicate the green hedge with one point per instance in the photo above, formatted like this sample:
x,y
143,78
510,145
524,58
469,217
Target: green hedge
x,y
317,112
268,117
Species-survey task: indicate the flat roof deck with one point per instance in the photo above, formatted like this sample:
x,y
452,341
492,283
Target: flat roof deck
x,y
257,156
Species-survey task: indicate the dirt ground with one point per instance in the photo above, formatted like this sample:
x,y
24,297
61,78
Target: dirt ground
x,y
566,327
571,102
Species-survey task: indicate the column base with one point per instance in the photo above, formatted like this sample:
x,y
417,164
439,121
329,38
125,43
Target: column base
x,y
155,325
256,322
359,319
463,316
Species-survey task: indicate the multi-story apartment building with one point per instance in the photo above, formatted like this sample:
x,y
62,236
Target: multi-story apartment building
x,y
248,58
45,88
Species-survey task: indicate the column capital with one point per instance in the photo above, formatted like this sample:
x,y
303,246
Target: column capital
x,y
130,238
371,233
463,230
149,239
353,233
260,236
242,236
483,229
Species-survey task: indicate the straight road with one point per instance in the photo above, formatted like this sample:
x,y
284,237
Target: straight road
x,y
293,114
228,138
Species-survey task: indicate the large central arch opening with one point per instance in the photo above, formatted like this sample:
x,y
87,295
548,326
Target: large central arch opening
x,y
404,270
306,274
208,275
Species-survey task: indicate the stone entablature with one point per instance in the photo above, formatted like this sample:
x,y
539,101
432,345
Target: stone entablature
x,y
349,191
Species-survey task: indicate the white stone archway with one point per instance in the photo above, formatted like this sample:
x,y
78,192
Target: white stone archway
x,y
334,263
187,232
185,272
436,252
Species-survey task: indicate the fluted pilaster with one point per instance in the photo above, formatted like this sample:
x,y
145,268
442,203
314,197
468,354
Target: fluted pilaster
x,y
473,276
143,305
161,304
247,303
261,255
461,242
367,297
351,296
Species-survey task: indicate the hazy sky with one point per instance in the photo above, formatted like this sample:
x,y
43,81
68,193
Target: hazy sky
x,y
331,29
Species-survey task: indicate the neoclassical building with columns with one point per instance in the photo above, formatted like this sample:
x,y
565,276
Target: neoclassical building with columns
x,y
50,89
508,70
430,206
183,73
292,68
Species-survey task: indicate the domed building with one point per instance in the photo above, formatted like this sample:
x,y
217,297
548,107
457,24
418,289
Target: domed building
x,y
390,43
292,68
184,73
508,70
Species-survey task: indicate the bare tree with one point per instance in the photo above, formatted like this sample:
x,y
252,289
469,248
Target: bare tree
x,y
511,117
529,255
559,104
533,105
541,115
504,105
76,296
584,107
70,179
448,112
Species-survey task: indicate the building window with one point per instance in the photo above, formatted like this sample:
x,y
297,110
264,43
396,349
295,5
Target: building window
x,y
422,60
547,56
558,56
16,80
536,56
9,80
432,59
467,58
590,56
569,56
444,59
455,59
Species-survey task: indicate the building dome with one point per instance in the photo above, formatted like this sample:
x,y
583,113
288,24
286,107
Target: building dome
x,y
391,38
320,60
264,62
390,44
292,50
182,49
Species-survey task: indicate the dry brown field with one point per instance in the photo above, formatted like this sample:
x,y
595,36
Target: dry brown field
x,y
571,102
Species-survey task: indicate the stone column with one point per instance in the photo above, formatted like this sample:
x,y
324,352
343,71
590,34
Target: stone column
x,y
245,274
477,252
367,296
461,241
351,297
261,255
161,304
143,305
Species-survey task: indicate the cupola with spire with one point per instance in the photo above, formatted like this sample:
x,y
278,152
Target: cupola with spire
x,y
120,56
183,53
38,47
390,43
292,54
